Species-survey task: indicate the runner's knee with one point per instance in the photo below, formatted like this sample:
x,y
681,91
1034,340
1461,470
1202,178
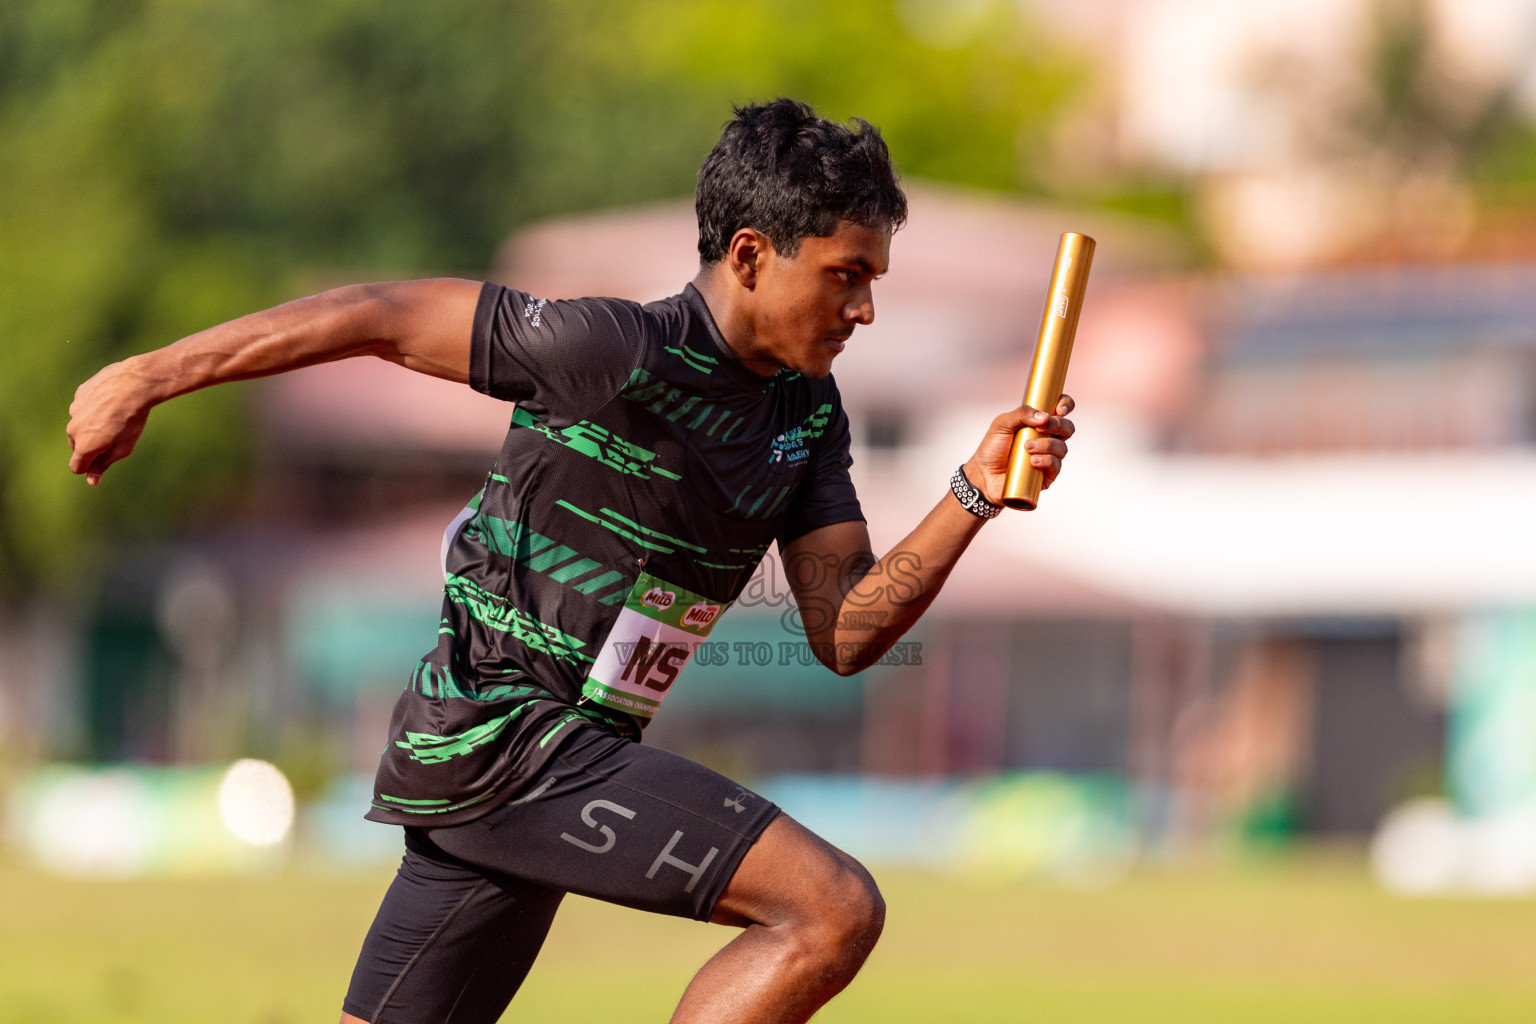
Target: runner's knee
x,y
815,897
850,912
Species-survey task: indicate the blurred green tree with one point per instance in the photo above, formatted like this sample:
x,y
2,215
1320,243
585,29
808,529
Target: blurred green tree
x,y
167,164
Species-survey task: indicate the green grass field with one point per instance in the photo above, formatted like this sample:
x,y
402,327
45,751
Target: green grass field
x,y
1304,938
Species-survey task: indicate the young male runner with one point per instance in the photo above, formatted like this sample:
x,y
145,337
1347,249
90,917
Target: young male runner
x,y
654,455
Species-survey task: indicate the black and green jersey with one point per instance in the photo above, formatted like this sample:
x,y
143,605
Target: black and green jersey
x,y
645,474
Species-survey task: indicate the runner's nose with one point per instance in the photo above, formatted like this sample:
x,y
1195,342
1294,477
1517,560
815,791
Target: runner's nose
x,y
861,310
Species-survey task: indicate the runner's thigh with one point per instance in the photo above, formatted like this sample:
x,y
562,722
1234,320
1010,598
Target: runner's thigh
x,y
451,943
621,822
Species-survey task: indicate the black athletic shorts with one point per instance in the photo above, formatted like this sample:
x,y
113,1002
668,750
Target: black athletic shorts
x,y
470,906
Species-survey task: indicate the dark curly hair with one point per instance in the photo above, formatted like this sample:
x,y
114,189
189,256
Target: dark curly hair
x,y
784,171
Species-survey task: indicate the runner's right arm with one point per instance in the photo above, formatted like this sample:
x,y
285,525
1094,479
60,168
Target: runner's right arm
x,y
422,325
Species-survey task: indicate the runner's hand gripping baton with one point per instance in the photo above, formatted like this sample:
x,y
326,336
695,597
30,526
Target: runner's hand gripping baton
x,y
1048,372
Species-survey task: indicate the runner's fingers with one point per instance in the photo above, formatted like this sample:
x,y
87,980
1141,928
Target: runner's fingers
x,y
1014,420
97,467
84,455
1065,406
94,464
1047,446
1054,426
1025,416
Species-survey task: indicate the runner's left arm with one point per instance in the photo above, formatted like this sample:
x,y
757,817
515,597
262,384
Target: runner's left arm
x,y
853,605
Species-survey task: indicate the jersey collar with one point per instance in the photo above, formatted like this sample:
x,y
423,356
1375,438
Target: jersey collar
x,y
730,363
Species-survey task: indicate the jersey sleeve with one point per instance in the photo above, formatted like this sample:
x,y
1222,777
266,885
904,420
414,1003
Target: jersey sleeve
x,y
561,360
826,495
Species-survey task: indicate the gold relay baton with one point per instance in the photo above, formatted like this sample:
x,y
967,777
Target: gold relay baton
x,y
1048,371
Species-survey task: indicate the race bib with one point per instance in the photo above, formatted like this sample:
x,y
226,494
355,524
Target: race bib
x,y
657,631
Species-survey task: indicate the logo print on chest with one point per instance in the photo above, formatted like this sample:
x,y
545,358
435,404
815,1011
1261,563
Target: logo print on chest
x,y
789,447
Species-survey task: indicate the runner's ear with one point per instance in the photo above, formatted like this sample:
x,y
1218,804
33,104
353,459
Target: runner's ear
x,y
747,247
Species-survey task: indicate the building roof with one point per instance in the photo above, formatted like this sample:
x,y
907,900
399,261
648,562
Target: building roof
x,y
1376,312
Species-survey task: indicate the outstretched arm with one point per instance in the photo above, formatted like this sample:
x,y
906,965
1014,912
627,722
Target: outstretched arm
x,y
422,325
833,572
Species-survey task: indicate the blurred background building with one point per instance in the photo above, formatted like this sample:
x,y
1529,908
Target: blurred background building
x,y
1284,587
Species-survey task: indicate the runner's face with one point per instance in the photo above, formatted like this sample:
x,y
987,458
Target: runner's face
x,y
808,304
